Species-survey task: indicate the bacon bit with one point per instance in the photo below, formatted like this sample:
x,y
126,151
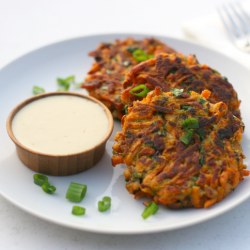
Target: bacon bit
x,y
206,93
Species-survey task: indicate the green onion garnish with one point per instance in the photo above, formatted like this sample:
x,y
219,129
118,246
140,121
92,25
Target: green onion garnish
x,y
37,90
47,188
132,49
140,55
105,204
76,210
201,134
142,87
76,192
39,179
176,92
190,123
65,83
152,208
187,136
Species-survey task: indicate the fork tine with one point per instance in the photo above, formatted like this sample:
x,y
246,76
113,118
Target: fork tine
x,y
238,32
246,27
231,34
242,10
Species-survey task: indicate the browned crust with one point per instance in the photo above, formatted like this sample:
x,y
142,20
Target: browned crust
x,y
113,61
162,167
177,71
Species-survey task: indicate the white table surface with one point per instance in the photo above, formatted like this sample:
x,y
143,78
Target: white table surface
x,y
29,24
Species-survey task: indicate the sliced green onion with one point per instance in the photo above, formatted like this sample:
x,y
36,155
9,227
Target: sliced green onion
x,y
176,92
76,210
142,87
37,90
201,134
190,123
201,100
65,83
132,49
187,136
76,192
47,188
105,204
39,179
140,55
152,208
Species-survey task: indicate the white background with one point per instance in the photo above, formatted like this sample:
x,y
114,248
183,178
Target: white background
x,y
29,24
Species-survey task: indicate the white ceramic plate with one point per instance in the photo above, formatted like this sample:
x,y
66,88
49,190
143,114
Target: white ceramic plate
x,y
42,67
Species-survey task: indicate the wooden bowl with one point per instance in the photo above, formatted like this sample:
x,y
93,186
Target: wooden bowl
x,y
59,165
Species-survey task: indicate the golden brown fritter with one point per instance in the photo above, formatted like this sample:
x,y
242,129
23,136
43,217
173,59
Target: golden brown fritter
x,y
177,71
180,149
112,62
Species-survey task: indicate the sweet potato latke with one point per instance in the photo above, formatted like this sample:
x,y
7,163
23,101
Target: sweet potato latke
x,y
112,62
177,71
180,149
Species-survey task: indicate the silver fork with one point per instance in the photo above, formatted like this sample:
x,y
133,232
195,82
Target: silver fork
x,y
236,22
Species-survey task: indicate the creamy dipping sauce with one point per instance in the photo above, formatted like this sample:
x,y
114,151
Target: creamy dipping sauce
x,y
59,125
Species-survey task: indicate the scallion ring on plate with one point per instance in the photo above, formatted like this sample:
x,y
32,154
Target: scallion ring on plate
x,y
105,204
76,192
39,179
76,210
152,208
47,188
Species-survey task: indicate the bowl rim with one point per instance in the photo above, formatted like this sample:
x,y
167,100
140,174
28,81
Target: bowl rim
x,y
48,94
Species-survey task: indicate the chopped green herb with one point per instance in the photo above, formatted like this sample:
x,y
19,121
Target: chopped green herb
x,y
142,87
37,90
140,55
126,109
234,117
189,92
202,159
186,138
194,178
114,153
159,114
177,92
137,175
76,192
39,179
202,149
47,188
132,49
190,123
65,83
186,107
105,204
76,210
201,134
201,100
172,71
215,71
152,208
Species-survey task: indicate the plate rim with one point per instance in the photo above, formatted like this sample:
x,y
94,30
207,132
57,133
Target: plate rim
x,y
131,231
